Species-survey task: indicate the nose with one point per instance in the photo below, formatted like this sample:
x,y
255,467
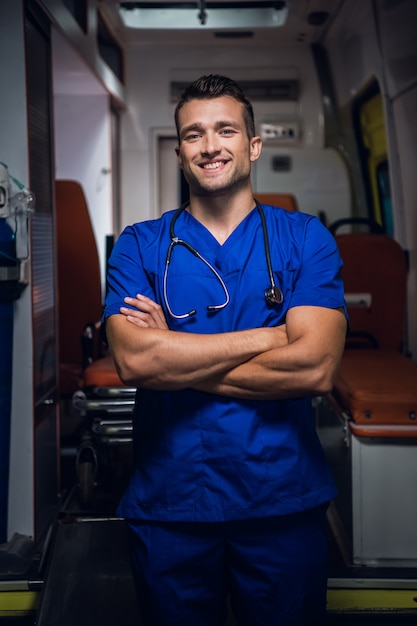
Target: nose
x,y
211,145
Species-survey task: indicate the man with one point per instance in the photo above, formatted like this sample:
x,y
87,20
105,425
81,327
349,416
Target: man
x,y
230,484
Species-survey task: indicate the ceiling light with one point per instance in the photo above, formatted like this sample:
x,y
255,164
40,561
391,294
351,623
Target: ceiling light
x,y
204,14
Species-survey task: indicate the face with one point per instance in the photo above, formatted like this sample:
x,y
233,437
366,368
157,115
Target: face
x,y
215,152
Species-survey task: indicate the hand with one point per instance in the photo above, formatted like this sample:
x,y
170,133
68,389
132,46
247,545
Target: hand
x,y
148,314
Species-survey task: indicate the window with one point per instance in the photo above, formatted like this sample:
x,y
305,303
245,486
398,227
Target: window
x,y
369,123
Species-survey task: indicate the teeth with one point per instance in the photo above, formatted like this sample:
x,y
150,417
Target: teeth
x,y
212,166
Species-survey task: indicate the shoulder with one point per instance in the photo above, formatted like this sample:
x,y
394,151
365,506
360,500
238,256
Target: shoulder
x,y
283,215
153,225
146,232
302,232
295,222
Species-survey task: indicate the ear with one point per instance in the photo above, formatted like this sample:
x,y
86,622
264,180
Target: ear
x,y
179,157
255,148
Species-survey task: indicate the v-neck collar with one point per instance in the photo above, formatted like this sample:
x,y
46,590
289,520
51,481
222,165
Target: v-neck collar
x,y
200,234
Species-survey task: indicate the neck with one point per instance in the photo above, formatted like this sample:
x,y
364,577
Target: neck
x,y
221,215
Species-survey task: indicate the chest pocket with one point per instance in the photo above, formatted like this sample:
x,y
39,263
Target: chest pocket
x,y
248,305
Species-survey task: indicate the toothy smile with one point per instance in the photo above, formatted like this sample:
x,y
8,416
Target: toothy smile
x,y
212,166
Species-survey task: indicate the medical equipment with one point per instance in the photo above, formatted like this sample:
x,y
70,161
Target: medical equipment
x,y
14,208
273,294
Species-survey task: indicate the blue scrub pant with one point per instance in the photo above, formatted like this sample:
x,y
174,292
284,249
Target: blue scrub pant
x,y
274,571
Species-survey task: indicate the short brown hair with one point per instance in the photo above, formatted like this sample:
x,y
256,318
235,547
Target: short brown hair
x,y
216,86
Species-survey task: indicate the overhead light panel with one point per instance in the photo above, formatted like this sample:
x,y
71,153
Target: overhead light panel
x,y
204,14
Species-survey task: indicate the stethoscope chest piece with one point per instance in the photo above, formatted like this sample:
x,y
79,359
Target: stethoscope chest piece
x,y
273,295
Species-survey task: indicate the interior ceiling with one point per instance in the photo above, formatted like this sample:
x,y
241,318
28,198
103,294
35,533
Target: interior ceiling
x,y
71,75
299,26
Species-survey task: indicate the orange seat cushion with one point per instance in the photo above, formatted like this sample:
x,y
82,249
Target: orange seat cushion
x,y
102,373
378,387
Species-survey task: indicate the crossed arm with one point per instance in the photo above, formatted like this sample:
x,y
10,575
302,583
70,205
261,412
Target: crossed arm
x,y
296,359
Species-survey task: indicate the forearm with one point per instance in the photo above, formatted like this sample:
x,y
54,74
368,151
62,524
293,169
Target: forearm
x,y
156,358
306,365
278,374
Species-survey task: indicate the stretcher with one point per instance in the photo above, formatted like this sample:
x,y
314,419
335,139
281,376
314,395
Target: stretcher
x,y
368,424
87,374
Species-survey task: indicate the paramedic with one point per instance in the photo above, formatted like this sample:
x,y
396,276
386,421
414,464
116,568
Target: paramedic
x,y
230,483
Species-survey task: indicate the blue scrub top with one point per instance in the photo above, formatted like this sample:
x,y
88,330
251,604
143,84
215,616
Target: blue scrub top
x,y
202,457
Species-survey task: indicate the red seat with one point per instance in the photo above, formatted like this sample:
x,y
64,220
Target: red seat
x,y
377,383
374,265
79,293
284,200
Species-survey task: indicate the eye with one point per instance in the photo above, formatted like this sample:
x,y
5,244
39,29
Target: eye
x,y
192,137
227,131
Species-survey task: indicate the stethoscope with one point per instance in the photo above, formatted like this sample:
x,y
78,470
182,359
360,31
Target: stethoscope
x,y
273,294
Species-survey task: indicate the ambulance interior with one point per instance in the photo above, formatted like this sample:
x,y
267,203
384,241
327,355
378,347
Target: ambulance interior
x,y
333,85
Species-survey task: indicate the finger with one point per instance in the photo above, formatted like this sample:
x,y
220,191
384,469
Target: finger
x,y
147,305
143,319
143,304
137,317
137,321
146,321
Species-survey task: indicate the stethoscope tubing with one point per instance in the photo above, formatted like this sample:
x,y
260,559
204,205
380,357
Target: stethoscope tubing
x,y
273,294
267,249
213,307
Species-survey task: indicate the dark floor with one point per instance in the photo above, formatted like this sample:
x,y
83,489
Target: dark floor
x,y
92,572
